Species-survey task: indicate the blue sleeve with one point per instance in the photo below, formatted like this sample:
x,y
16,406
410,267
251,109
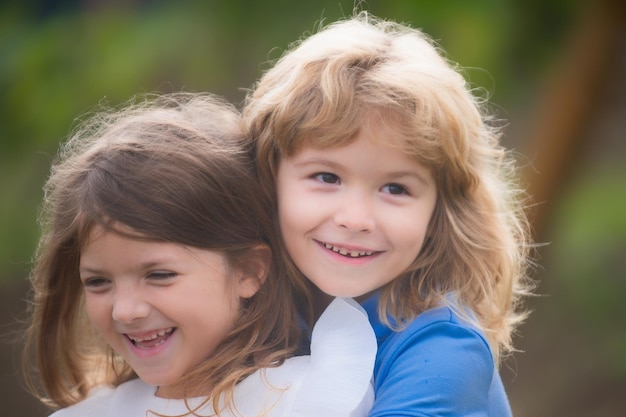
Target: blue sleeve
x,y
441,369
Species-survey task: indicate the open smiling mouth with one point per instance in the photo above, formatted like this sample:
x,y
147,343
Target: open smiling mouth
x,y
348,252
151,340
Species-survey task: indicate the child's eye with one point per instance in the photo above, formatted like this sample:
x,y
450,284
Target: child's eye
x,y
395,189
161,275
95,284
327,177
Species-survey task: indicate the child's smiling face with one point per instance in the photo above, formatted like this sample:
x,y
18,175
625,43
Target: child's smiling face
x,y
163,307
354,217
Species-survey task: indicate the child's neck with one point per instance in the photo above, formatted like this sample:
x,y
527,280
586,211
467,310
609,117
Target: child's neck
x,y
179,393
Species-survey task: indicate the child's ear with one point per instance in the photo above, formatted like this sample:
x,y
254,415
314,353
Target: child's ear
x,y
254,272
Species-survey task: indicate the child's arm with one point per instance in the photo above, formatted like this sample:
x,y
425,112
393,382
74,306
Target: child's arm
x,y
343,350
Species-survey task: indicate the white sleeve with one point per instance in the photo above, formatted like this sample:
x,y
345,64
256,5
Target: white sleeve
x,y
343,351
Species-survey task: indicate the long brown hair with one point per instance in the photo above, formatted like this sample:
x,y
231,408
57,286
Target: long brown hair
x,y
327,86
172,168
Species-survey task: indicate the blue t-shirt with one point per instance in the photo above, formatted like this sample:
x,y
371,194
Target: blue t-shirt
x,y
439,365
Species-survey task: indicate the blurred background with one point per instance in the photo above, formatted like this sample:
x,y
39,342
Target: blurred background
x,y
555,69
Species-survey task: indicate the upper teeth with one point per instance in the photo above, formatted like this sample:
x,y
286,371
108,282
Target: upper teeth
x,y
346,252
152,336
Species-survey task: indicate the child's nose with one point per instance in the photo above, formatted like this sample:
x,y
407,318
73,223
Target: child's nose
x,y
129,306
356,213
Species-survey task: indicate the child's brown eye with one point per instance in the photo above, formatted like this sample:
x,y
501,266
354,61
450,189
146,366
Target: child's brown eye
x,y
327,177
95,283
395,189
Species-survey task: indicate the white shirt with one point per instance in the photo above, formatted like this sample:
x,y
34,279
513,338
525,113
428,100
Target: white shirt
x,y
334,381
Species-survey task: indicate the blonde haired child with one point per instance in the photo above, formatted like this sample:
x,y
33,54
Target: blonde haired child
x,y
155,287
389,184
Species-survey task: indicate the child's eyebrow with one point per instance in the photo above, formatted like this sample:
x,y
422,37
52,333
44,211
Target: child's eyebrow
x,y
317,160
87,269
411,174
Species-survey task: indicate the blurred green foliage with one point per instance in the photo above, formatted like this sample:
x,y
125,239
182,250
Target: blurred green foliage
x,y
589,260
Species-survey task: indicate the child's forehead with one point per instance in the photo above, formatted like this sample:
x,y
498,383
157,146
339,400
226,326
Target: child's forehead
x,y
377,127
91,228
364,143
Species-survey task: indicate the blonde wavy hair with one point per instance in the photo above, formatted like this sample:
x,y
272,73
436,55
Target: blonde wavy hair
x,y
324,89
172,168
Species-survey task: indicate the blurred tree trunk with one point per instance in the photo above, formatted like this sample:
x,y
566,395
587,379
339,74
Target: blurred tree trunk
x,y
568,104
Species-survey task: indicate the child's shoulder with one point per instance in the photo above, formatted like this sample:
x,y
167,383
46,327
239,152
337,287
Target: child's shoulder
x,y
440,333
439,351
443,321
96,404
439,324
102,399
